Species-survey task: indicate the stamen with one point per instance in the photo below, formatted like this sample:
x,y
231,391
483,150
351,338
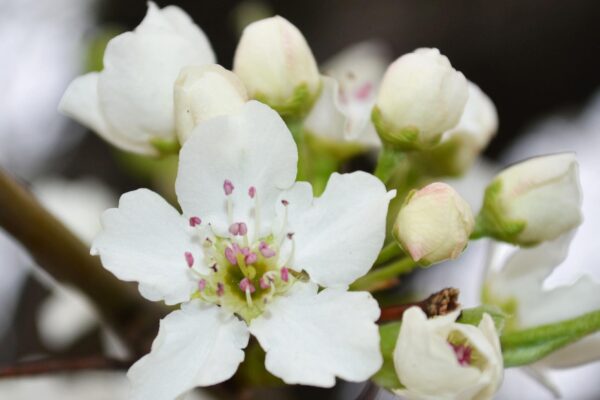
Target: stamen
x,y
265,250
251,192
195,221
246,285
230,255
243,229
189,258
201,285
234,229
263,283
285,274
214,267
228,187
251,258
285,202
463,353
220,289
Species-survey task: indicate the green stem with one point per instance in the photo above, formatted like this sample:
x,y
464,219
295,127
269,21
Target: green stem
x,y
376,276
60,253
388,253
386,163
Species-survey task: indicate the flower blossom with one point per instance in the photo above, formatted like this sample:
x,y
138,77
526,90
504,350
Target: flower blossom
x,y
441,359
249,256
130,102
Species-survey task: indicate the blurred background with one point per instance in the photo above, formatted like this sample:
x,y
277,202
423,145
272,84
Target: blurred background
x,y
539,61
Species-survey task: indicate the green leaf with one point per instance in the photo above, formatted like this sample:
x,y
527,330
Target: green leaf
x,y
386,377
530,345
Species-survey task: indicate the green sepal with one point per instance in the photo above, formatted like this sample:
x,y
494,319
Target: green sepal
x,y
294,107
165,147
473,316
405,138
530,345
386,377
492,222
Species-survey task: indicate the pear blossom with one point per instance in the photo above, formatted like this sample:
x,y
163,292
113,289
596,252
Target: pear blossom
x,y
277,66
421,96
533,201
130,102
434,224
342,113
203,92
516,279
248,256
441,359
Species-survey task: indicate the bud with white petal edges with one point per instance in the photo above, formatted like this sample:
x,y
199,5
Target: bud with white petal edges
x,y
533,201
464,361
434,224
203,92
277,66
421,97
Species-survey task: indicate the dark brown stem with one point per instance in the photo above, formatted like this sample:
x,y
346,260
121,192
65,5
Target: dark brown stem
x,y
47,366
60,253
439,303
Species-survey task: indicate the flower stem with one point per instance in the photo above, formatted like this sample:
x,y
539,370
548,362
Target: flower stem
x,y
378,276
386,163
60,253
388,253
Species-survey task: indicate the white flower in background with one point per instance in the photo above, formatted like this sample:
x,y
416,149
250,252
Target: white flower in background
x,y
533,201
434,224
461,145
421,97
130,103
248,256
36,36
440,359
277,66
342,113
205,92
516,281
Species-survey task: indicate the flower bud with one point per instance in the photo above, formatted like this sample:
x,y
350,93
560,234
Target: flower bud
x,y
277,66
203,92
421,97
461,145
464,361
533,201
434,224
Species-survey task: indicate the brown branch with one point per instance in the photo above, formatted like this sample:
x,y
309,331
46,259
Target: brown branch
x,y
60,253
47,366
439,303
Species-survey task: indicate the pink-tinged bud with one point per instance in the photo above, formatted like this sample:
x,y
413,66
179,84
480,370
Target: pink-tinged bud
x,y
195,221
252,192
230,255
264,283
220,289
228,187
285,274
201,285
246,285
189,258
251,258
265,250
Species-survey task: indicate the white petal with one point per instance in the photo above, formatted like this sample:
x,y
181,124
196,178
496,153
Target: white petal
x,y
199,345
338,236
145,240
311,338
140,67
249,148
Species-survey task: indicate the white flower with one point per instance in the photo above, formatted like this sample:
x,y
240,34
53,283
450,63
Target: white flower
x,y
130,103
421,96
439,359
434,224
342,113
277,66
516,281
533,201
248,256
203,92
